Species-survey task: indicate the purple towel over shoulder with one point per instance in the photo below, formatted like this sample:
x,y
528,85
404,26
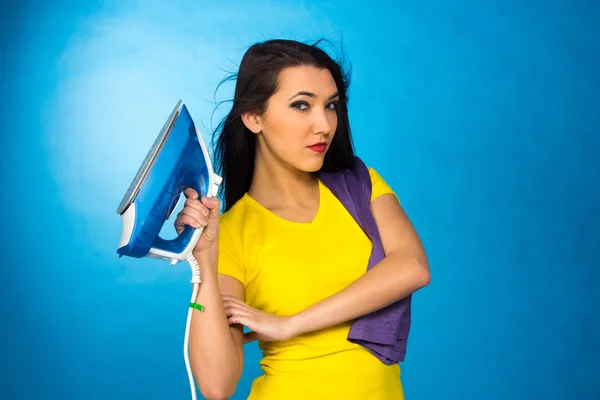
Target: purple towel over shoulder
x,y
384,332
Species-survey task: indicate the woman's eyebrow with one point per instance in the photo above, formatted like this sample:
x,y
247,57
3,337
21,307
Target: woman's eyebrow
x,y
310,94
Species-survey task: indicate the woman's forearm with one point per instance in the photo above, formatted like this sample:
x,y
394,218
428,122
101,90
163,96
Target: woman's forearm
x,y
214,353
394,278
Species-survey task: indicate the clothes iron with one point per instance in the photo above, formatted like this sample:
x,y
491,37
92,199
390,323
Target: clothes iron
x,y
178,159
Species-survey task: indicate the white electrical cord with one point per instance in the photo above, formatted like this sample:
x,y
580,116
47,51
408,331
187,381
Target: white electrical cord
x,y
196,282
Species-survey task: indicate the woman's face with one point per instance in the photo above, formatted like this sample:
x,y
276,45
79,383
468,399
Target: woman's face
x,y
300,119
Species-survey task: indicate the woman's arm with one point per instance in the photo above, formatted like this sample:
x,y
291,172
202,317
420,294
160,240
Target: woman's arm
x,y
403,271
216,348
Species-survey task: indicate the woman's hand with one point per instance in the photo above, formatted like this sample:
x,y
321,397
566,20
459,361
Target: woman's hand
x,y
264,326
197,213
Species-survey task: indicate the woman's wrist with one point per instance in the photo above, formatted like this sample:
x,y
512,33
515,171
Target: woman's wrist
x,y
207,261
202,254
294,325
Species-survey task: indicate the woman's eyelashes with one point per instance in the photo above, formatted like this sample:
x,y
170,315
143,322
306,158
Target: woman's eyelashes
x,y
304,106
300,105
333,105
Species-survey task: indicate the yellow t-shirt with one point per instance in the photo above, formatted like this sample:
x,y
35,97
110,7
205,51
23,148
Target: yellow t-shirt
x,y
288,266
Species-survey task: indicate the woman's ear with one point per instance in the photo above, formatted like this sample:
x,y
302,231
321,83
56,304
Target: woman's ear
x,y
252,122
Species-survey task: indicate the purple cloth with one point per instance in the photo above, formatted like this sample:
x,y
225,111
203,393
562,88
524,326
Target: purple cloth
x,y
383,332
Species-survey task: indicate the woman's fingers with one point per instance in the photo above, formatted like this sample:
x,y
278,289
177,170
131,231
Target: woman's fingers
x,y
250,337
197,206
183,220
232,305
233,299
245,320
235,304
237,317
194,213
264,326
238,312
235,309
190,194
203,205
190,217
190,212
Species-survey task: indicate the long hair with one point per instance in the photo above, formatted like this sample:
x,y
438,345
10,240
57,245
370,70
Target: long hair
x,y
256,82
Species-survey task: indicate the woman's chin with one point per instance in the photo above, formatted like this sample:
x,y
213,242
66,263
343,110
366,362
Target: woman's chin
x,y
313,165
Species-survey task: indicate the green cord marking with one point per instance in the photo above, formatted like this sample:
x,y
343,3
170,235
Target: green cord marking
x,y
197,306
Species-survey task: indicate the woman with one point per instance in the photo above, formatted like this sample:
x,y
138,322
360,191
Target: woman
x,y
286,259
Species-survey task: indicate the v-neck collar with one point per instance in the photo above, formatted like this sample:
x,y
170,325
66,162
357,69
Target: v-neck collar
x,y
270,214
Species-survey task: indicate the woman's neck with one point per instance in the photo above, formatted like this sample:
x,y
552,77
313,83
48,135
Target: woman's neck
x,y
276,184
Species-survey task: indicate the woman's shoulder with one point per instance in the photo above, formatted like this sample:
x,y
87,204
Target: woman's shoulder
x,y
231,225
375,176
379,185
242,217
235,215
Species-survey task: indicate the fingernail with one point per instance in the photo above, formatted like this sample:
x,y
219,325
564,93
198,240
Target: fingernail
x,y
204,211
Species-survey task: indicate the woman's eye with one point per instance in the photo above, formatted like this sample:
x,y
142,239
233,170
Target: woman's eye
x,y
332,106
300,105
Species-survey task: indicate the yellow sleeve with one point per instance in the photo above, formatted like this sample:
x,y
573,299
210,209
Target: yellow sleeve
x,y
230,260
380,187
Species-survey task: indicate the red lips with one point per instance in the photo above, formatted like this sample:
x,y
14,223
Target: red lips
x,y
318,147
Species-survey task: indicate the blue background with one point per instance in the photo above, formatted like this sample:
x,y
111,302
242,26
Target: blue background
x,y
483,116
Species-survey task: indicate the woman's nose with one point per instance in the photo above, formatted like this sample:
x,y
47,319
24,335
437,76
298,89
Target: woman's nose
x,y
321,124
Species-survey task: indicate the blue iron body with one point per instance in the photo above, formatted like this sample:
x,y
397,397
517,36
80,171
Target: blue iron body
x,y
177,160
